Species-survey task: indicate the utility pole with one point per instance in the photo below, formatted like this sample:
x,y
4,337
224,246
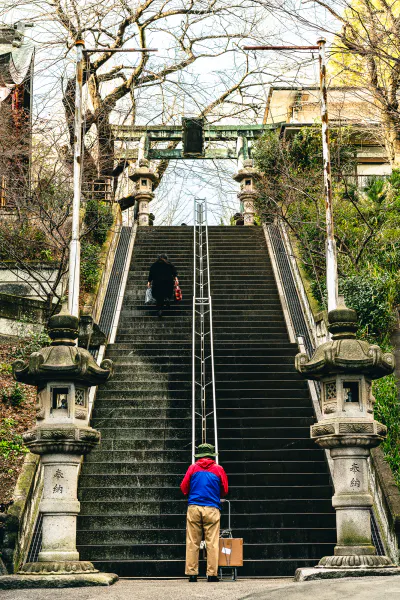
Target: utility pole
x,y
331,254
75,244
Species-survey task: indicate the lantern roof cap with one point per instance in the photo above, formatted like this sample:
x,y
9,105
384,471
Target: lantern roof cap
x,y
143,170
62,360
344,353
248,170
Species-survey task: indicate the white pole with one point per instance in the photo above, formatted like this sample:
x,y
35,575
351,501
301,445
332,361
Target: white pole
x,y
194,332
331,256
75,245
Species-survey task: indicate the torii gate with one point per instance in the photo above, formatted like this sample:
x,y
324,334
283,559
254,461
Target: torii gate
x,y
199,141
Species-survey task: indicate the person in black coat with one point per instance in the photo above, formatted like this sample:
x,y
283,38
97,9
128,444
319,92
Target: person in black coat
x,y
162,277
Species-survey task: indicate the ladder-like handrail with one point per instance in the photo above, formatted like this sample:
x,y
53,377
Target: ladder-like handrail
x,y
202,328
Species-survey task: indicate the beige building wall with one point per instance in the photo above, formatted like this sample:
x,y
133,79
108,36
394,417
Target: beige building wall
x,y
347,106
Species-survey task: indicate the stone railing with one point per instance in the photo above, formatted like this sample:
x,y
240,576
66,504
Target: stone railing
x,y
20,519
386,502
385,493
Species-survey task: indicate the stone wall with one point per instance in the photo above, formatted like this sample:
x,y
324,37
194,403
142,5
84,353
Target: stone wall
x,y
20,316
386,496
20,519
17,282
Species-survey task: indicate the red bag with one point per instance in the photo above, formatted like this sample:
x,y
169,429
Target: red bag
x,y
178,293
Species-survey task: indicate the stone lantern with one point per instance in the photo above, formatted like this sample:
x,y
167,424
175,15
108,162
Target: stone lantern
x,y
345,367
144,177
247,177
63,374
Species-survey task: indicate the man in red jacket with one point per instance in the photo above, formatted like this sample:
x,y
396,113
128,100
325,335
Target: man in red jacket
x,y
204,484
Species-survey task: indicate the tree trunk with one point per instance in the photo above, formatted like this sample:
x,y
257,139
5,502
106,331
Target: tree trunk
x,y
105,144
391,132
90,167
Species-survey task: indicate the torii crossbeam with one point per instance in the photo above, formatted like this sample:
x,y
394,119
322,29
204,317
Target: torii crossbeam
x,y
149,135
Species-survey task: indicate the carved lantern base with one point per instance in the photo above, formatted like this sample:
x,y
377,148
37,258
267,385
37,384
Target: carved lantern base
x,y
347,429
59,575
335,573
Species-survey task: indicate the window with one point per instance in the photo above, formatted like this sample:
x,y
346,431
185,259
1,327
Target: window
x,y
79,397
144,182
330,390
351,391
60,398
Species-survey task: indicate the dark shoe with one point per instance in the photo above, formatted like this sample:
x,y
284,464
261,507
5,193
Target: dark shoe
x,y
193,579
212,578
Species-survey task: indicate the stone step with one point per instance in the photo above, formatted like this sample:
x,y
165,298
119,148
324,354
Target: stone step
x,y
176,535
272,521
148,435
181,385
155,568
258,469
132,446
261,406
236,482
148,507
247,396
226,376
167,551
290,452
149,408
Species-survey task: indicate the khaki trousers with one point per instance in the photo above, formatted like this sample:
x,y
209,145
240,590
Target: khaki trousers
x,y
199,519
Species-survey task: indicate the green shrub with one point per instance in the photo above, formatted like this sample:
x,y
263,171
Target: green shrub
x,y
5,369
90,266
34,342
11,443
46,254
16,395
387,411
98,220
372,296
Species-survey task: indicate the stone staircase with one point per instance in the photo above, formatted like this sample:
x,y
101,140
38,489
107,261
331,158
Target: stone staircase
x,y
132,518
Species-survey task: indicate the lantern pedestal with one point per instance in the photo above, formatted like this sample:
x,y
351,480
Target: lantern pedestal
x,y
346,367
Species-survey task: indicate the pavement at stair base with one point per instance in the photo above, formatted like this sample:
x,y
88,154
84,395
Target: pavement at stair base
x,y
368,588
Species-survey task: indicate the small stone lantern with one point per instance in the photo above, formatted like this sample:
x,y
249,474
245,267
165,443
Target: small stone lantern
x,y
247,178
346,366
63,374
144,178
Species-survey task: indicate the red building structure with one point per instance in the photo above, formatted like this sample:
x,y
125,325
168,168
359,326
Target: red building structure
x,y
16,75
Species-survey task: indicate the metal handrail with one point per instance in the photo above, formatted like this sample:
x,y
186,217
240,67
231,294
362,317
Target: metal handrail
x,y
202,327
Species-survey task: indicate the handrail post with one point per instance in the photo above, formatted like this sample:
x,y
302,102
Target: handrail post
x,y
202,308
